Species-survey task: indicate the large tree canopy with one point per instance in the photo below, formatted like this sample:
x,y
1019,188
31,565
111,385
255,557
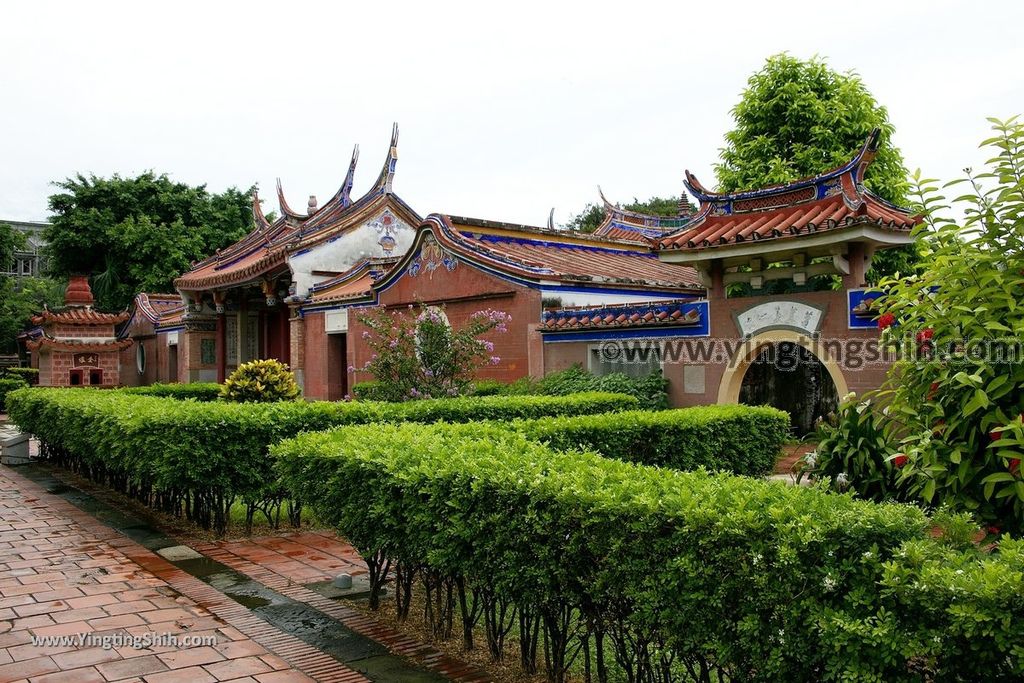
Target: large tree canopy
x,y
10,241
798,118
135,234
589,219
20,298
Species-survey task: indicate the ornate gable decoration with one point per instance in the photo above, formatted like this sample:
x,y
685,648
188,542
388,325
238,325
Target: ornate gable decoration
x,y
386,225
431,257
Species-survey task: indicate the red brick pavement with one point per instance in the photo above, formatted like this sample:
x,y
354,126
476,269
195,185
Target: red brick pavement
x,y
282,563
62,572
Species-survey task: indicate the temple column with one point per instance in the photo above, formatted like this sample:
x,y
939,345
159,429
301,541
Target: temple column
x,y
222,348
856,256
297,344
222,337
717,290
283,330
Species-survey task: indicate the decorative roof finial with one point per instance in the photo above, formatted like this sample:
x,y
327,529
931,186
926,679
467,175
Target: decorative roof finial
x,y
387,174
311,205
551,219
283,203
345,194
78,292
257,212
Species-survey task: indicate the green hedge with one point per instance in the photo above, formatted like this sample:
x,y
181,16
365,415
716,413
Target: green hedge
x,y
651,390
7,385
678,575
30,375
199,457
739,439
200,391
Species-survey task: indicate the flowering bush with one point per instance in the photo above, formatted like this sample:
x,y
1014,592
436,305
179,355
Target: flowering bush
x,y
955,399
855,454
417,354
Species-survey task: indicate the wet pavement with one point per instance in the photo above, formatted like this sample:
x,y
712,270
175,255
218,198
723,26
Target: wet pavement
x,y
276,587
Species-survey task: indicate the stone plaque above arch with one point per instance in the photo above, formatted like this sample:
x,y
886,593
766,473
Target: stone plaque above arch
x,y
796,316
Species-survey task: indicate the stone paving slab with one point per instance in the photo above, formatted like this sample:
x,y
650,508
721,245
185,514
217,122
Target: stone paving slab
x,y
64,573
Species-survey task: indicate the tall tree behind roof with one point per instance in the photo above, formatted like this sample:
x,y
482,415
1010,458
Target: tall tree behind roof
x,y
589,219
135,234
797,118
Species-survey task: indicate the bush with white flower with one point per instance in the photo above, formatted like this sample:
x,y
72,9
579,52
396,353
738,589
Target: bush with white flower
x,y
417,353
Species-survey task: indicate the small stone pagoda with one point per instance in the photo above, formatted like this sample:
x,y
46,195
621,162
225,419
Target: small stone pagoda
x,y
77,346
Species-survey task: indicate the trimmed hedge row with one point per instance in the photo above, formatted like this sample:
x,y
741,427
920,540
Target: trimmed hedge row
x,y
738,439
200,391
7,385
671,575
198,458
30,375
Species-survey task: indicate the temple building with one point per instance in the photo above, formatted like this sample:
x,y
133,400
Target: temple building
x,y
799,350
76,345
242,303
696,296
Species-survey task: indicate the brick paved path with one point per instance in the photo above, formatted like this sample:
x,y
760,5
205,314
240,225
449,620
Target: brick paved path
x,y
283,563
64,573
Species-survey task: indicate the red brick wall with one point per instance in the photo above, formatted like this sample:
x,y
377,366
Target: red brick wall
x,y
55,368
314,366
558,356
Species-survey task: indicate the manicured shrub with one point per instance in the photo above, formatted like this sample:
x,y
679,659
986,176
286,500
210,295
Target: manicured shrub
x,y
685,576
261,381
199,391
30,375
732,438
197,458
651,391
7,385
474,408
487,387
368,391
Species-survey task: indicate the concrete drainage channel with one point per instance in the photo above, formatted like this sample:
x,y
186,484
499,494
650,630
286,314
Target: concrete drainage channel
x,y
290,616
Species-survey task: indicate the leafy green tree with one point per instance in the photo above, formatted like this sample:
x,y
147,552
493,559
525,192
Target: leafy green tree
x,y
134,234
797,118
589,219
20,299
10,241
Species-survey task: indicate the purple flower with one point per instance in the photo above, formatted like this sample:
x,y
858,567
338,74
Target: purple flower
x,y
495,360
348,397
393,344
489,346
366,335
351,368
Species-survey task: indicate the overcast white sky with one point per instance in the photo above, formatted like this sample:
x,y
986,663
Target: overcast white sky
x,y
506,110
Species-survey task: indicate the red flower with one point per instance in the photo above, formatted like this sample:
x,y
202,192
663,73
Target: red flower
x,y
886,320
938,427
995,434
994,530
900,460
932,390
1015,466
925,335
